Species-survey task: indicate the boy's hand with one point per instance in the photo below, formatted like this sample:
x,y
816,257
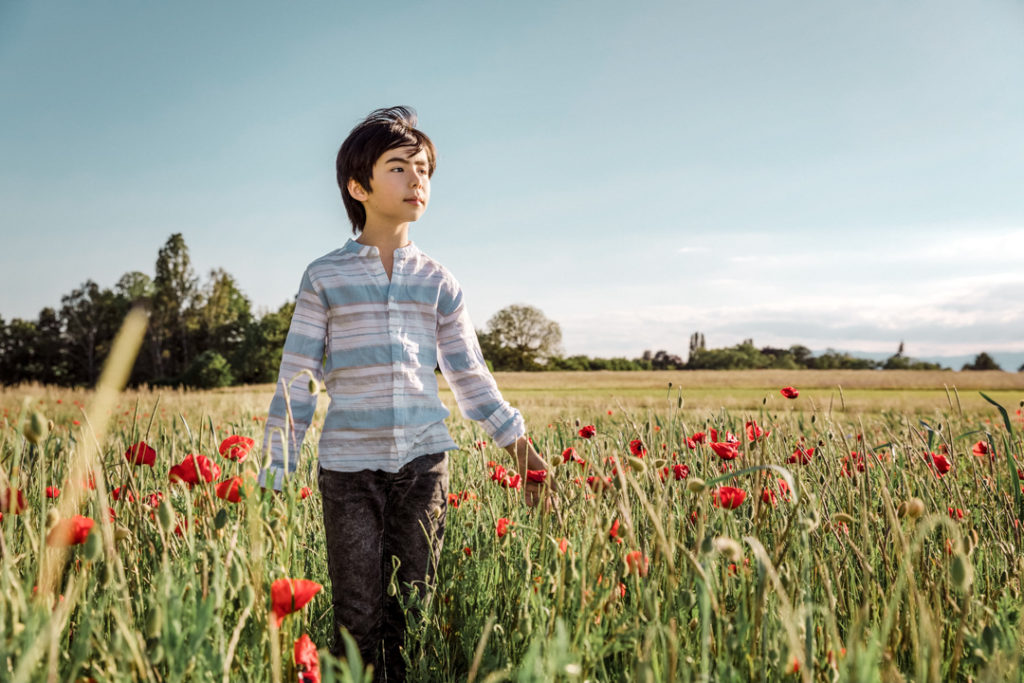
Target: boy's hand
x,y
527,458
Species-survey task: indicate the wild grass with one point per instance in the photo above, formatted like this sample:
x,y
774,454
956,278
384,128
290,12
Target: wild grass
x,y
847,577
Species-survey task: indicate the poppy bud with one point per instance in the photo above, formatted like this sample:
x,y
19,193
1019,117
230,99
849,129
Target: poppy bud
x,y
694,484
52,517
961,572
915,508
107,577
235,574
247,595
37,428
843,517
729,548
165,514
154,621
121,534
637,464
221,519
93,547
314,388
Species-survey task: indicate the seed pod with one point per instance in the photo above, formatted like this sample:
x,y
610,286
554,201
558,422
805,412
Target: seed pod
x,y
121,534
694,484
221,519
156,654
843,517
314,388
154,620
961,571
915,508
37,428
107,575
901,511
165,514
93,546
729,548
637,464
234,574
52,517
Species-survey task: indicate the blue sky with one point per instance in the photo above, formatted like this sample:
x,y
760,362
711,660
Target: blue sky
x,y
834,174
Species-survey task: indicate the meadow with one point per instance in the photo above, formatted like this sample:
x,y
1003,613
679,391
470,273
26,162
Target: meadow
x,y
866,530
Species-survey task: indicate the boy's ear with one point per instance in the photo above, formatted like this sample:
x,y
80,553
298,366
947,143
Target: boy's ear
x,y
356,190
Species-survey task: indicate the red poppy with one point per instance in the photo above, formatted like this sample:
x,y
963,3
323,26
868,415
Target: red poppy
x,y
569,454
563,545
52,491
728,497
236,447
956,513
636,447
680,471
116,495
90,482
291,595
230,489
195,469
468,551
12,500
801,456
501,528
982,449
154,499
637,563
587,431
725,451
307,660
597,483
453,500
305,492
754,432
537,476
698,437
789,392
140,454
940,463
613,533
72,531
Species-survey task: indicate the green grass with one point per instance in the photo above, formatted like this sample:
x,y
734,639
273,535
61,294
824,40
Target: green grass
x,y
838,567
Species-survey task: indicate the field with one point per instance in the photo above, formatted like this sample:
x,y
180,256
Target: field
x,y
872,560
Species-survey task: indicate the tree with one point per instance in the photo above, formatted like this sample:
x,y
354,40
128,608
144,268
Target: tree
x,y
91,317
258,357
520,337
174,289
696,342
982,361
222,315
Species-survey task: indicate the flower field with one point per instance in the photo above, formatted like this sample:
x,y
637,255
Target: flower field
x,y
784,540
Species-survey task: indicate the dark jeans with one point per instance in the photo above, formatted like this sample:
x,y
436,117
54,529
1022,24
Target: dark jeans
x,y
369,517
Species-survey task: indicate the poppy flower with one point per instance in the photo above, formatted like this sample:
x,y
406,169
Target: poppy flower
x,y
613,533
236,447
725,451
480,445
801,456
141,454
230,489
468,551
563,545
71,531
536,476
195,469
154,499
305,492
52,491
116,495
12,500
728,497
940,463
569,454
587,431
637,563
697,437
956,513
90,482
291,595
636,447
307,660
501,528
789,392
754,432
680,471
982,449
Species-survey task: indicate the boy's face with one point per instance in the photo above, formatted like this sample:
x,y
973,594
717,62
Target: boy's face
x,y
400,187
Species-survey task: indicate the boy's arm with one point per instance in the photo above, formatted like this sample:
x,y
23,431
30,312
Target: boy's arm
x,y
303,351
463,366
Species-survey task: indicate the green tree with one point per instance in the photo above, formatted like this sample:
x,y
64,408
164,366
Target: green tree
x,y
258,356
222,315
520,337
91,317
209,370
982,361
174,290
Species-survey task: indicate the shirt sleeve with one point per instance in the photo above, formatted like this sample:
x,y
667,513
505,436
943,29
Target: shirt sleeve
x,y
463,366
303,350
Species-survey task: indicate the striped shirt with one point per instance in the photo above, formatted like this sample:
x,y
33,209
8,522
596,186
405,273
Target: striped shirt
x,y
375,344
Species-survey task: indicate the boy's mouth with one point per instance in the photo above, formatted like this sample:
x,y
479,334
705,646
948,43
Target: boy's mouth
x,y
415,200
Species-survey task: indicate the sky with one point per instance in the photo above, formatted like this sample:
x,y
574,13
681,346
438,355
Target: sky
x,y
833,174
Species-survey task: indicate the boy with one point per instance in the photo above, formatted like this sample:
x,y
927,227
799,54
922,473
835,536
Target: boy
x,y
373,319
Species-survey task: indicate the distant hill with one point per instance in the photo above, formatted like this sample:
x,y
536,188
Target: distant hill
x,y
1007,360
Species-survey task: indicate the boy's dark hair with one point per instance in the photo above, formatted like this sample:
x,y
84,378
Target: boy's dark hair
x,y
382,130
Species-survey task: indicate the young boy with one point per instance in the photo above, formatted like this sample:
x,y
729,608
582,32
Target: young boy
x,y
373,319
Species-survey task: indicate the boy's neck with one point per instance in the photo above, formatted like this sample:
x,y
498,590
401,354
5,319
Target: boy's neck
x,y
386,238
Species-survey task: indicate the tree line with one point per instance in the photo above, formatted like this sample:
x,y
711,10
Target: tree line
x,y
206,334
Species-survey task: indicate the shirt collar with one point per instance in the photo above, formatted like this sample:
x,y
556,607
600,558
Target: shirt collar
x,y
365,250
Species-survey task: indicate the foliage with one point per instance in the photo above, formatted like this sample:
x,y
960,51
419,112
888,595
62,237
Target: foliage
x,y
982,361
520,337
208,370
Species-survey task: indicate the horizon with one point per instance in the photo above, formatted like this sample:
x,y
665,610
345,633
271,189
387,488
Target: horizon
x,y
813,174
